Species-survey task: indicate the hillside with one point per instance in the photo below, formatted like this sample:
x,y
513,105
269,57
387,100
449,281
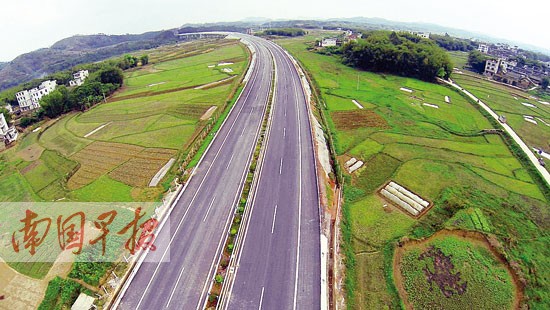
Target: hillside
x,y
76,50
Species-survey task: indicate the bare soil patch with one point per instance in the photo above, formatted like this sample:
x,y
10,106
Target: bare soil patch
x,y
348,120
30,167
31,153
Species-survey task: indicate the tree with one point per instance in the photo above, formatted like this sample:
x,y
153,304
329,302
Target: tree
x,y
477,60
398,53
110,75
54,104
144,59
545,83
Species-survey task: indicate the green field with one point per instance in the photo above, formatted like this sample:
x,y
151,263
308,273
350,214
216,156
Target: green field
x,y
165,117
439,153
466,276
110,152
459,59
508,101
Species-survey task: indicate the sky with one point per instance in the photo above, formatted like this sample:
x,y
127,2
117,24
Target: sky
x,y
27,25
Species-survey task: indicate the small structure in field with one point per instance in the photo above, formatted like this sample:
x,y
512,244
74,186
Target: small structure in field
x,y
357,104
353,164
435,106
83,302
529,119
447,99
528,105
403,198
406,89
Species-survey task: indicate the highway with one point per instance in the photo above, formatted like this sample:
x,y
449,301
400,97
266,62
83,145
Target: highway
x,y
279,266
201,217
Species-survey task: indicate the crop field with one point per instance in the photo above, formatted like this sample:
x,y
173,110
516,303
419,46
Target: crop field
x,y
459,59
508,101
182,73
110,152
452,272
347,120
129,139
439,153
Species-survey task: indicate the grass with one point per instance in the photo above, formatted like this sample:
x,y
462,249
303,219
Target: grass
x,y
59,138
459,58
103,189
187,72
433,152
486,282
34,270
502,100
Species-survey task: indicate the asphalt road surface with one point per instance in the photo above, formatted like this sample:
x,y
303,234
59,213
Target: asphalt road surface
x,y
279,266
200,220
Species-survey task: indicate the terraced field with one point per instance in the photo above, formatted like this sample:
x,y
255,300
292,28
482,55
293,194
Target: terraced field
x,y
516,105
110,152
127,140
440,153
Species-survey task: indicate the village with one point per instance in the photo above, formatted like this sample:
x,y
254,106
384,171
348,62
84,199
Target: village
x,y
503,66
28,101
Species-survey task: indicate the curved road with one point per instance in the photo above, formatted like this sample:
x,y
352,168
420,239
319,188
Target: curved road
x,y
280,262
279,266
201,217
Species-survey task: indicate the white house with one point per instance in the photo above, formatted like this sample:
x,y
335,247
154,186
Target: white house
x,y
329,42
30,99
79,78
425,35
484,48
491,66
7,133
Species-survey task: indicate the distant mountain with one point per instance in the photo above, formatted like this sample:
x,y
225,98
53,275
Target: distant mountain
x,y
78,49
75,50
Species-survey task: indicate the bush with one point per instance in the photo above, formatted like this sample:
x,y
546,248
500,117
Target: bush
x,y
219,278
27,121
60,294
